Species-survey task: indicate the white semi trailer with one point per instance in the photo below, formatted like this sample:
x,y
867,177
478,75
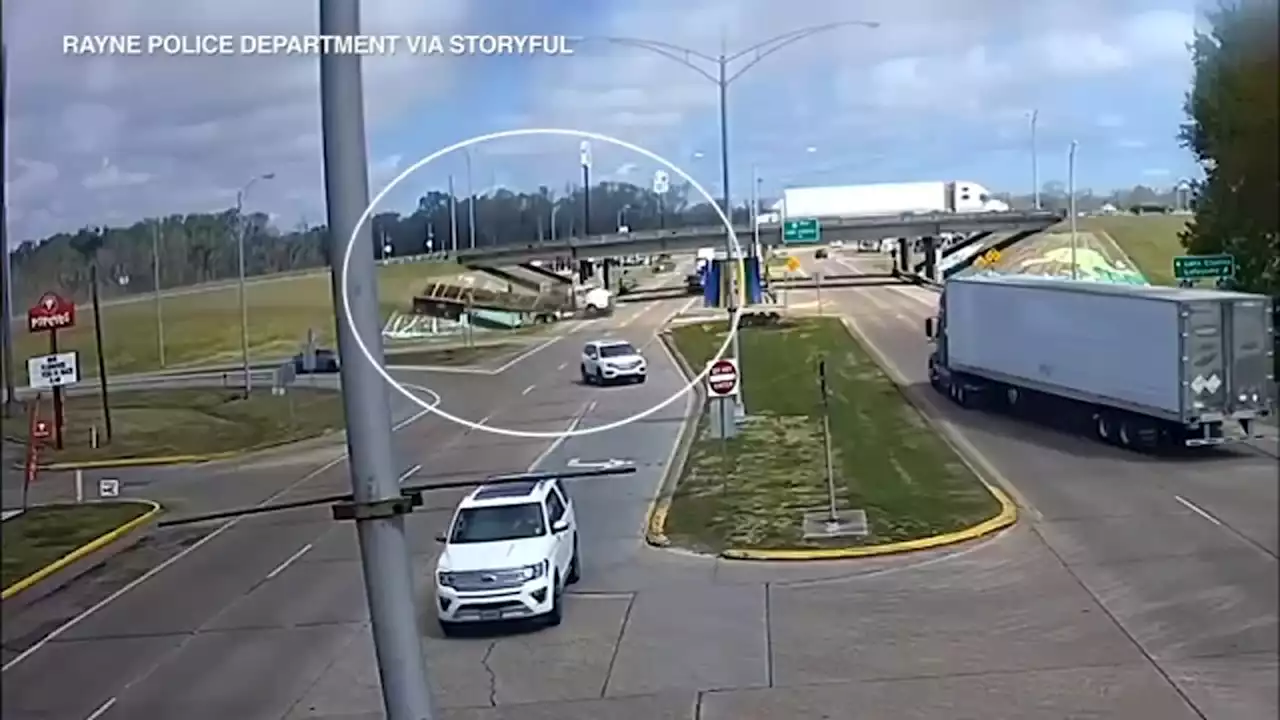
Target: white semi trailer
x,y
1137,366
958,196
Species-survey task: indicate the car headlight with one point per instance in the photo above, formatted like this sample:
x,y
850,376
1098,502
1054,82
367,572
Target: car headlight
x,y
533,572
445,579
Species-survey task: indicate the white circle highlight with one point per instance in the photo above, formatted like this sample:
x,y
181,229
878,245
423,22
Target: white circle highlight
x,y
381,369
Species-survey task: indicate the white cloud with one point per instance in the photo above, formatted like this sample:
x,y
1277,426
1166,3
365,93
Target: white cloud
x,y
182,130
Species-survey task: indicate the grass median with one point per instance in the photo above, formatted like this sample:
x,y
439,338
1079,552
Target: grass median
x,y
202,325
42,535
752,491
196,421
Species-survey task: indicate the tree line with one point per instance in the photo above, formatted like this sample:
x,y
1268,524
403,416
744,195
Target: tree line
x,y
204,247
1233,131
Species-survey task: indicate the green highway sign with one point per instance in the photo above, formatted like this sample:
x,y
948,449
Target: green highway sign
x,y
806,230
1193,267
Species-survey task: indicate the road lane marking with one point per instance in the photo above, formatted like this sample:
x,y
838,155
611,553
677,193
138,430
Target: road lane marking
x,y
102,709
530,352
93,609
529,389
408,474
562,366
1197,510
555,444
289,561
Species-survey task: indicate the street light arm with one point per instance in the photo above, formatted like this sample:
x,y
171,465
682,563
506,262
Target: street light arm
x,y
768,47
673,52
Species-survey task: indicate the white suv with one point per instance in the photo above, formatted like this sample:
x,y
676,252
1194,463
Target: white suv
x,y
509,553
605,361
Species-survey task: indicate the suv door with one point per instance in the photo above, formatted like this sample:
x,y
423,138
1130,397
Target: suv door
x,y
563,540
589,356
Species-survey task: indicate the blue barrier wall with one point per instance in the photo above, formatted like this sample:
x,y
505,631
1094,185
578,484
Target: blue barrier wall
x,y
711,284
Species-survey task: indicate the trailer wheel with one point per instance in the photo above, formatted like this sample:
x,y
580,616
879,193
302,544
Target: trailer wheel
x,y
1103,427
1125,434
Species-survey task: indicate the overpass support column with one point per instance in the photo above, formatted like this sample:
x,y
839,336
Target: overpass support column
x,y
584,271
931,258
903,262
606,272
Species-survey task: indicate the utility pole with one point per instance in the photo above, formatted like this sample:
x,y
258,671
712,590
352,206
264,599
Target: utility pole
x,y
155,280
378,506
6,268
241,231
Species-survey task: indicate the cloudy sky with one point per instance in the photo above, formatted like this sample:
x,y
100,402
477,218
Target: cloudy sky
x,y
940,90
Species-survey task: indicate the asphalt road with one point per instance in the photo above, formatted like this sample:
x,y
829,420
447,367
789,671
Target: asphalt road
x,y
1124,608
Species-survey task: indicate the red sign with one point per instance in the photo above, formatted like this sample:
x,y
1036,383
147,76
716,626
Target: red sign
x,y
722,378
40,430
51,312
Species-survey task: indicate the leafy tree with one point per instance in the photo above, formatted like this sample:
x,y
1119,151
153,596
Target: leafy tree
x,y
1232,130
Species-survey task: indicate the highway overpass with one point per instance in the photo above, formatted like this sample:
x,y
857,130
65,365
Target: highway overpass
x,y
682,240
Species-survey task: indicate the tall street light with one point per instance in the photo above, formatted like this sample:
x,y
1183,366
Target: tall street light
x,y
453,217
6,268
1071,205
722,79
1035,159
241,227
471,200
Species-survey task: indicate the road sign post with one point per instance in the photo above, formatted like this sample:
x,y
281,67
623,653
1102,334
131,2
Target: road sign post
x,y
50,314
1199,267
804,230
723,390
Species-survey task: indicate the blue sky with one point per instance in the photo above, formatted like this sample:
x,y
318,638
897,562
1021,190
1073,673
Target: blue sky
x,y
939,91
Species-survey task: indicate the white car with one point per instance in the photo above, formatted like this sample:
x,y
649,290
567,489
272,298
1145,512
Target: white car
x,y
510,551
606,361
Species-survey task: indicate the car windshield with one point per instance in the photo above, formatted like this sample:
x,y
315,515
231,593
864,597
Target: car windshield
x,y
498,523
619,350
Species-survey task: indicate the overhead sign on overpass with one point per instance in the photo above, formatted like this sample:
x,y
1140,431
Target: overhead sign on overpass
x,y
805,230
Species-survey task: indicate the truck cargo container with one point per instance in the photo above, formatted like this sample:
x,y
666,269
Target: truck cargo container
x,y
881,199
1139,367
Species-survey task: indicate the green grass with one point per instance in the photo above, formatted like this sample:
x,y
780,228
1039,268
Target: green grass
x,y
42,535
204,327
888,463
151,423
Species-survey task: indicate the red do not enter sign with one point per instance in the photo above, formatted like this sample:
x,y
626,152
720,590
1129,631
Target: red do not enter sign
x,y
722,377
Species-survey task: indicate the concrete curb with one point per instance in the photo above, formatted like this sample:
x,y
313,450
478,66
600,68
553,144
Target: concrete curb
x,y
655,532
1007,516
62,571
115,463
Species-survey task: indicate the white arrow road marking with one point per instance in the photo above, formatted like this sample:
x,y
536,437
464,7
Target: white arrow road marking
x,y
598,465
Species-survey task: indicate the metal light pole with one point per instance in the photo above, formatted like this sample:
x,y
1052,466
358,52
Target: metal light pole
x,y
6,267
378,505
722,79
471,201
453,217
1071,206
584,158
241,228
1035,160
155,281
555,208
755,209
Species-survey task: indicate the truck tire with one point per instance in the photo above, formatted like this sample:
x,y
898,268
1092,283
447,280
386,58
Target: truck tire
x,y
1104,427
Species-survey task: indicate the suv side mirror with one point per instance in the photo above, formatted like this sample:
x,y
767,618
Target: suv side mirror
x,y
440,538
559,526
928,328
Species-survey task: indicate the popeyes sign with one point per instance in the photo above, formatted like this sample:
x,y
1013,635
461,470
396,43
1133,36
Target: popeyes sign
x,y
51,312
